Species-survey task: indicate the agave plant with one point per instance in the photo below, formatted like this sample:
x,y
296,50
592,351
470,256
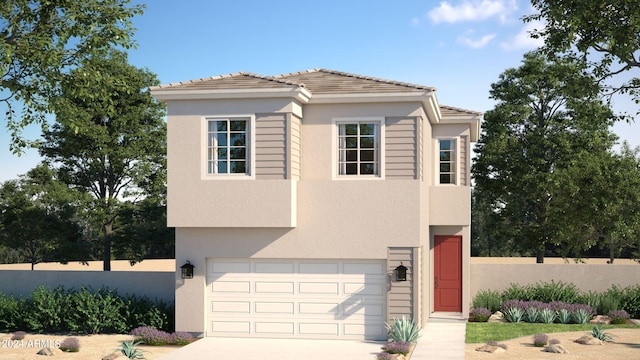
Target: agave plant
x,y
599,333
130,349
404,330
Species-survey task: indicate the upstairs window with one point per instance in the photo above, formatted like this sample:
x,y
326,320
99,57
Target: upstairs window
x,y
447,161
227,146
358,148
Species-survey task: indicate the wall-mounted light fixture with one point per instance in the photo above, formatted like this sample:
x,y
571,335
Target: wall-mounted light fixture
x,y
187,270
401,273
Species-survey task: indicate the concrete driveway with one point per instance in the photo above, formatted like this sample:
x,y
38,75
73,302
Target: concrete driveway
x,y
276,349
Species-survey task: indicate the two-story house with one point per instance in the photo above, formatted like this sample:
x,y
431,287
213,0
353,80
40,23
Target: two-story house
x,y
297,197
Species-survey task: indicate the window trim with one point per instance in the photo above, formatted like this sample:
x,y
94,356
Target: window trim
x,y
335,171
456,157
250,153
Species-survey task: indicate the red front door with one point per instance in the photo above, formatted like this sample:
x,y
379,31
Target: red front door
x,y
448,273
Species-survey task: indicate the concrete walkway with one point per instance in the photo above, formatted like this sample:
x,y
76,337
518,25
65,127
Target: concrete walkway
x,y
442,339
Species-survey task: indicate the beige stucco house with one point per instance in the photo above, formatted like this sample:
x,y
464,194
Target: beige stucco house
x,y
297,196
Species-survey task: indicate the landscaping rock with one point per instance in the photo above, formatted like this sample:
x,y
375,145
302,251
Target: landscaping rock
x,y
600,319
490,349
589,340
556,349
497,317
46,352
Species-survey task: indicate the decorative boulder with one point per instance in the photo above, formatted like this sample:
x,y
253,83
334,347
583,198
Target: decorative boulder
x,y
46,352
556,349
589,340
490,349
600,319
497,317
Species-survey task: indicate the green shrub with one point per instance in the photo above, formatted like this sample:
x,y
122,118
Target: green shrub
x,y
555,291
488,299
8,313
519,292
404,330
46,309
97,312
142,311
591,298
630,301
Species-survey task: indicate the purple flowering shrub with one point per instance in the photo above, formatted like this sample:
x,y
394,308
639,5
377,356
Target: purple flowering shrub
x,y
385,356
397,347
618,316
540,340
152,336
70,344
479,314
554,342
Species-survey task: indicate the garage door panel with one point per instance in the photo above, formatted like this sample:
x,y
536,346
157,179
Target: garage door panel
x,y
274,268
317,288
275,328
243,287
274,307
319,329
268,287
319,268
222,307
297,298
319,309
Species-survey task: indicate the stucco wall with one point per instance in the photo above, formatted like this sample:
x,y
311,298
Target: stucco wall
x,y
155,285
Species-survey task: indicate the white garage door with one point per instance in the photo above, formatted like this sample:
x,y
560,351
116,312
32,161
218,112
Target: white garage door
x,y
296,298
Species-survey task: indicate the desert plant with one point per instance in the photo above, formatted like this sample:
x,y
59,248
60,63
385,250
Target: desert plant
x,y
479,314
70,344
618,316
532,309
18,335
489,299
547,315
130,349
513,310
599,333
564,315
404,330
540,340
151,336
397,347
581,313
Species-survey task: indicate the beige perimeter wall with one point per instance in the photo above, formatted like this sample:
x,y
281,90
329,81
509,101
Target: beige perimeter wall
x,y
594,277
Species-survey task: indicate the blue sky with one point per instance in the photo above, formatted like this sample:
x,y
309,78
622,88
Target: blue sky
x,y
460,47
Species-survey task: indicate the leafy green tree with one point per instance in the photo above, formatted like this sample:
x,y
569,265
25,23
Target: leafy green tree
x,y
38,217
42,41
602,194
547,112
119,154
605,32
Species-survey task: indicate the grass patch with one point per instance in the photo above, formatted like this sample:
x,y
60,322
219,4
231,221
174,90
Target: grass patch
x,y
483,332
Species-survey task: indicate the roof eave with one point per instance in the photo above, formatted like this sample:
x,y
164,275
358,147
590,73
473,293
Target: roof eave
x,y
169,94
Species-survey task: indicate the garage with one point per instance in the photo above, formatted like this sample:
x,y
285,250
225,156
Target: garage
x,y
313,299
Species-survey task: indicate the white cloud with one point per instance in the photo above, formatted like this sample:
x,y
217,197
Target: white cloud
x,y
472,10
475,44
523,39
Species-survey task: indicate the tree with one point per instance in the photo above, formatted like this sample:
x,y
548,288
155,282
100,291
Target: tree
x,y
38,218
602,194
119,154
606,32
547,113
42,41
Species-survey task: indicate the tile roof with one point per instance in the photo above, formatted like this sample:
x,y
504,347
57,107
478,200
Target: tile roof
x,y
324,81
240,80
319,81
453,111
